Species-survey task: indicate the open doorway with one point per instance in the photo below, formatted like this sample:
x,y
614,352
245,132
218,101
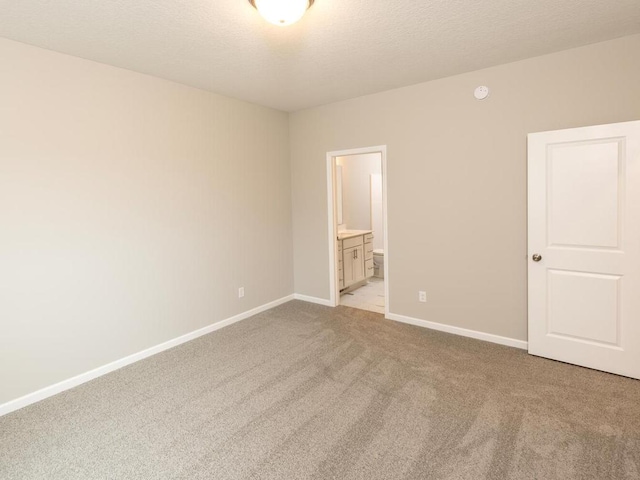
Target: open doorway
x,y
358,246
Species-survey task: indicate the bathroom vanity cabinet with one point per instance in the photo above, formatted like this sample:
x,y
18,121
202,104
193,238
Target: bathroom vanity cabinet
x,y
355,257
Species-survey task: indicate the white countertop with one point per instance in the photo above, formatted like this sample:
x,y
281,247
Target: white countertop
x,y
352,233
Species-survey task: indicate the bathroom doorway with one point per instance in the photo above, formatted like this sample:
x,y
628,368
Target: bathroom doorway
x,y
358,244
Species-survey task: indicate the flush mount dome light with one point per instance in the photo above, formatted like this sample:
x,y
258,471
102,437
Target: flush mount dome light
x,y
281,12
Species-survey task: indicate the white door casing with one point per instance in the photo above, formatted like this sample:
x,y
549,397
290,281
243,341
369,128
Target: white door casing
x,y
584,221
334,279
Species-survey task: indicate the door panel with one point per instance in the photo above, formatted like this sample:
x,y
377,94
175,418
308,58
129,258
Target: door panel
x,y
584,221
347,265
584,306
358,264
583,194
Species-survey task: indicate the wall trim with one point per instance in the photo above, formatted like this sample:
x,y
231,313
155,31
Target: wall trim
x,y
72,382
46,392
307,298
464,332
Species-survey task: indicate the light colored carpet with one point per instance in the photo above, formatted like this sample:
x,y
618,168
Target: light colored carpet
x,y
305,391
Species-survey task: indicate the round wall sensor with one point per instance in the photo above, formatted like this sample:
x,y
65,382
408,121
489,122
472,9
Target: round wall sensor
x,y
481,92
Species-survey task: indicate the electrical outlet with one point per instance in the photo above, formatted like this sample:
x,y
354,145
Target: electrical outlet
x,y
241,292
422,296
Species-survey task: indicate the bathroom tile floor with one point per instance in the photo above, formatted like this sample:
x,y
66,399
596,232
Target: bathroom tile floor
x,y
368,297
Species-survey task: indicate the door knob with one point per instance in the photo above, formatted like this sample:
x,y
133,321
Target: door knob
x,y
536,257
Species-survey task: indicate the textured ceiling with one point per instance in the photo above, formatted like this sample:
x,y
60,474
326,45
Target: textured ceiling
x,y
340,49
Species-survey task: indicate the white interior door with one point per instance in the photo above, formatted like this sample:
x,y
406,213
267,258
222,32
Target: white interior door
x,y
584,223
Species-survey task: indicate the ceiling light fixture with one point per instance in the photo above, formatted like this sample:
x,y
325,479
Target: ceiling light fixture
x,y
281,12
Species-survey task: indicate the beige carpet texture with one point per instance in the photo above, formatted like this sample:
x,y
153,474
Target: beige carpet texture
x,y
304,391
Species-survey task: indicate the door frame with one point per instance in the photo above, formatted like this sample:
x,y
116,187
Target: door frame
x,y
334,284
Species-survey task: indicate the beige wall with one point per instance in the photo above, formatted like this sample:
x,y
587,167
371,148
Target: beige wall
x,y
356,189
457,177
131,210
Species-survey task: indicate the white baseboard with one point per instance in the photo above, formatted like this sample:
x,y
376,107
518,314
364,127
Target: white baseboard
x,y
51,390
487,337
319,301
